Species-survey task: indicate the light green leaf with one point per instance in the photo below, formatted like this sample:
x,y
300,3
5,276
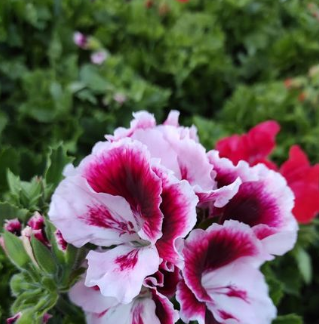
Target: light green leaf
x,y
15,250
8,211
56,161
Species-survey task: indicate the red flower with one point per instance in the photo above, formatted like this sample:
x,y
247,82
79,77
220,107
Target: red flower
x,y
288,83
253,147
182,0
303,180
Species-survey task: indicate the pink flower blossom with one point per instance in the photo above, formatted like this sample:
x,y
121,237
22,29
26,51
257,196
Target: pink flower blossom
x,y
80,40
119,98
98,57
13,226
14,318
120,196
224,287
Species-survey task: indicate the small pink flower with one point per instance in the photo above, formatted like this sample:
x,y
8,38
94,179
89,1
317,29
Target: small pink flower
x,y
36,223
13,226
62,244
80,40
14,318
119,98
99,57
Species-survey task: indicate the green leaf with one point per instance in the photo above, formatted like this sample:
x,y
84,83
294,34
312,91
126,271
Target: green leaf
x,y
9,158
304,264
14,183
8,211
56,161
15,250
43,257
288,319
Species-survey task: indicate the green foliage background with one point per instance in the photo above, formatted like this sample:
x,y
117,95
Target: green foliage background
x,y
222,63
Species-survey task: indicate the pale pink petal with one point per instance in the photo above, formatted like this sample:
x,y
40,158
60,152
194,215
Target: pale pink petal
x,y
90,299
142,120
239,292
219,197
226,172
172,118
179,209
190,154
83,216
123,169
120,272
159,147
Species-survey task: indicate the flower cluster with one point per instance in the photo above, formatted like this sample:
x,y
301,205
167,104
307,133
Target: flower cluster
x,y
256,146
166,219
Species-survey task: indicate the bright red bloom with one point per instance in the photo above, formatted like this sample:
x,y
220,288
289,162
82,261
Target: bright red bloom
x,y
182,0
253,147
303,180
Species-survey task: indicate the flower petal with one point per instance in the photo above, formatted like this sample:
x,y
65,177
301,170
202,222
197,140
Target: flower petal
x,y
179,209
124,169
191,308
268,201
239,293
83,216
142,120
90,298
218,246
120,272
303,179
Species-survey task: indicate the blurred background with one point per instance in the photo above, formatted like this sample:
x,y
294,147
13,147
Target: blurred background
x,y
75,70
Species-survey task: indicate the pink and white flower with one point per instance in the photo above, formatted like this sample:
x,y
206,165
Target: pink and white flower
x,y
148,307
222,283
262,200
120,196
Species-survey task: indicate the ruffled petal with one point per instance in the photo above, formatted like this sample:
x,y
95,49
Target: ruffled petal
x,y
149,307
165,311
124,169
90,299
222,280
83,216
191,308
218,246
239,293
142,120
265,202
120,272
179,209
303,179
